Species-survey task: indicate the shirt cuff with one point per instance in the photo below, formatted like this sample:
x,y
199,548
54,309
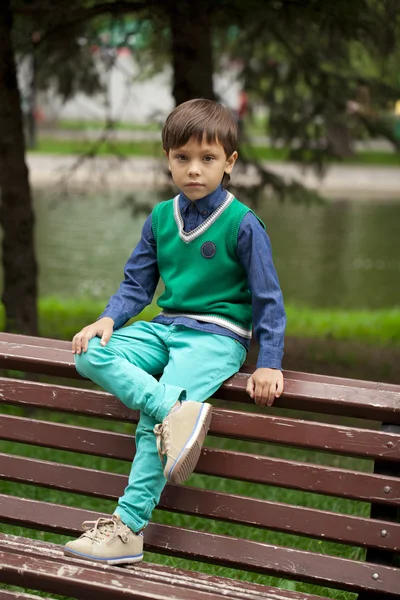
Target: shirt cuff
x,y
112,315
270,358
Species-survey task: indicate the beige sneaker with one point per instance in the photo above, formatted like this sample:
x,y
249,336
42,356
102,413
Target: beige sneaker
x,y
180,437
107,540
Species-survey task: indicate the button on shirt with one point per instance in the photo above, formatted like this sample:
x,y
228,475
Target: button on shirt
x,y
254,253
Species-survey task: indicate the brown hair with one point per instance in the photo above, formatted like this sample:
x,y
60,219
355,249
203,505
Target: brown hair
x,y
199,118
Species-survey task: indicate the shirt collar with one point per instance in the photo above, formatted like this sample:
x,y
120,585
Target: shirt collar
x,y
208,203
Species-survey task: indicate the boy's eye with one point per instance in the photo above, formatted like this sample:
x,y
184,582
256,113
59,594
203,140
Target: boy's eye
x,y
180,157
208,158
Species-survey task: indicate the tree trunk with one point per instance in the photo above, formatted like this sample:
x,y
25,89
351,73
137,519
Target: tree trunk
x,y
191,50
16,211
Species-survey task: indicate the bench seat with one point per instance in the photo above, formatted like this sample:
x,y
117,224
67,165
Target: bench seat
x,y
335,420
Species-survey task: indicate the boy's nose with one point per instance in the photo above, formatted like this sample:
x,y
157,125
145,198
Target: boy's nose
x,y
194,168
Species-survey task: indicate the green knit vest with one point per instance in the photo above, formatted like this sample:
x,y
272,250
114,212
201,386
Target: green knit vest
x,y
202,275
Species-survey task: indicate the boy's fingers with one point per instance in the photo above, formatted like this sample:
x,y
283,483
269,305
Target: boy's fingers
x,y
76,344
85,340
105,337
279,387
271,394
264,396
258,392
250,387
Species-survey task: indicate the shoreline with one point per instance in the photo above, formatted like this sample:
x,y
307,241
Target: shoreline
x,y
340,181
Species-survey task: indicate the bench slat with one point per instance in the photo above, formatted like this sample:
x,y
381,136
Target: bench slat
x,y
218,549
365,403
300,476
88,583
284,473
37,359
277,516
42,342
7,595
242,590
29,340
227,423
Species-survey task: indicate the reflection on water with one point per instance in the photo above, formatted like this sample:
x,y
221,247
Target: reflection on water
x,y
343,254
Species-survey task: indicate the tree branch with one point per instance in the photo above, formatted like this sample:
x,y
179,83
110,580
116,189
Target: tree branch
x,y
117,7
71,18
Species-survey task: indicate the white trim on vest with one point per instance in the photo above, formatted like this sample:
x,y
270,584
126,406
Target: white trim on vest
x,y
221,321
192,235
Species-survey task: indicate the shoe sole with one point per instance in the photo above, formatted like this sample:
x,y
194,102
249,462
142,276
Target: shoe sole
x,y
187,461
125,560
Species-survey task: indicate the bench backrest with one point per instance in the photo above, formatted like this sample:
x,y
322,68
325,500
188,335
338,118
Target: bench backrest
x,y
338,465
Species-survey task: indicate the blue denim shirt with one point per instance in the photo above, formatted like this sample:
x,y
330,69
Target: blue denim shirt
x,y
254,253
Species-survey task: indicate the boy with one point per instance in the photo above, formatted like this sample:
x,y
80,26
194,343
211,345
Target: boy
x,y
214,258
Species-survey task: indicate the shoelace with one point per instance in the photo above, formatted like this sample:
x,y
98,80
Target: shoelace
x,y
102,528
162,438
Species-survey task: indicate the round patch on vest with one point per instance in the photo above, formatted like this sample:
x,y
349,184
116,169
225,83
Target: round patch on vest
x,y
208,249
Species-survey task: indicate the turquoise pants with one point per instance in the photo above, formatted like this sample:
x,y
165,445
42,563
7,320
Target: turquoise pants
x,y
193,364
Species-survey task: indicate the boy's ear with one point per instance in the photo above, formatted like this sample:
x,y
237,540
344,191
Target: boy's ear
x,y
230,162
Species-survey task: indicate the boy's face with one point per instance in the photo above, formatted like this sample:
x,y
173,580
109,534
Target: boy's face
x,y
197,169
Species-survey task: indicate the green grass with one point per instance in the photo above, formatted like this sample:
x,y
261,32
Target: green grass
x,y
380,327
222,485
153,149
141,148
62,318
76,125
365,157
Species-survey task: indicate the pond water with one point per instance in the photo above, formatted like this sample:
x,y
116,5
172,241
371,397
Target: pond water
x,y
343,254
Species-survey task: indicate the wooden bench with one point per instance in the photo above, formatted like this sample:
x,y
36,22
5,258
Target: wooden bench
x,y
339,418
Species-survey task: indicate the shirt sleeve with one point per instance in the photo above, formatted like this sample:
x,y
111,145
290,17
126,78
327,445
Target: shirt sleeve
x,y
269,319
139,285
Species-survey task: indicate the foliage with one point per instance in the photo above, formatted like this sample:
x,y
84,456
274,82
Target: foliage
x,y
62,56
325,70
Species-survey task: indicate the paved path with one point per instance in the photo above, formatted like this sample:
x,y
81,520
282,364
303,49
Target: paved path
x,y
341,181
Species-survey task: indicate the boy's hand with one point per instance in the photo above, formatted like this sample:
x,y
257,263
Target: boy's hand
x,y
102,328
265,385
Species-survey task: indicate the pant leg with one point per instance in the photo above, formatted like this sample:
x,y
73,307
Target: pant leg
x,y
126,365
199,363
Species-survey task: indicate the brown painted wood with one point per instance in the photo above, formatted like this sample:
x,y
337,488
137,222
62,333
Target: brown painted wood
x,y
65,399
331,379
257,427
29,340
363,403
301,394
7,595
218,549
351,441
42,342
320,394
37,359
263,514
67,437
85,581
300,476
222,463
160,573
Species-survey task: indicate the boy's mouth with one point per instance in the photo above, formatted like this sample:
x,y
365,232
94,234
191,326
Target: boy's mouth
x,y
194,184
